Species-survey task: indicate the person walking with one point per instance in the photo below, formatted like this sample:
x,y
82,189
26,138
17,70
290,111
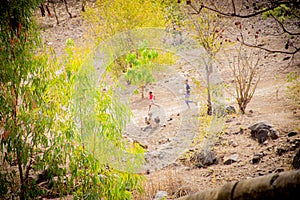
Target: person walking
x,y
187,94
151,101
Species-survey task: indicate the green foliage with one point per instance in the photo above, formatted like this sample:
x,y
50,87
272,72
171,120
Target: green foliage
x,y
105,163
112,17
292,76
140,70
50,110
282,12
208,30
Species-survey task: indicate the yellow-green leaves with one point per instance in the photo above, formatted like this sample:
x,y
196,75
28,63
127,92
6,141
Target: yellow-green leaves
x,y
112,17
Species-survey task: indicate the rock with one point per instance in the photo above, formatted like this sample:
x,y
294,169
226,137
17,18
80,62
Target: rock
x,y
229,160
260,125
233,143
296,160
206,158
170,119
261,131
230,110
291,134
262,135
256,158
281,151
274,133
160,195
156,120
147,127
228,120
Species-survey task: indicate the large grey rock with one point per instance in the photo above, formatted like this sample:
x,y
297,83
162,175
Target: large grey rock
x,y
206,158
261,131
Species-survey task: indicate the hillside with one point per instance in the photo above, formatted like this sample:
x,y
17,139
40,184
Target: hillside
x,y
171,148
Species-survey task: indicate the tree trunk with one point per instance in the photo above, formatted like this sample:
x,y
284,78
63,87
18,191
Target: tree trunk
x,y
209,104
285,185
143,88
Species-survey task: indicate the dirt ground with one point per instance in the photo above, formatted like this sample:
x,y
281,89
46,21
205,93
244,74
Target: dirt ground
x,y
168,141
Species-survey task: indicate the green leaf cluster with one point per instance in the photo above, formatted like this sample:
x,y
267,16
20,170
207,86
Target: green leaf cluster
x,y
282,12
140,70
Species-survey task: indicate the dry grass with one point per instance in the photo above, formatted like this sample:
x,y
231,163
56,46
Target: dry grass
x,y
169,180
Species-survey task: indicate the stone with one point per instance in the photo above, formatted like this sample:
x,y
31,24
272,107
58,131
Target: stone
x,y
160,195
206,158
262,135
274,134
231,159
296,160
230,109
292,133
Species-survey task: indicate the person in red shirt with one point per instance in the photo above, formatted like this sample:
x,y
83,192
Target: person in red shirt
x,y
151,101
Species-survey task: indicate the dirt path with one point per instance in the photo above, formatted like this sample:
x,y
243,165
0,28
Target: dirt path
x,y
170,138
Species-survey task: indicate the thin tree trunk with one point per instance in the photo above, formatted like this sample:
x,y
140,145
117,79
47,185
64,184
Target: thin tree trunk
x,y
55,14
209,104
67,9
143,89
83,5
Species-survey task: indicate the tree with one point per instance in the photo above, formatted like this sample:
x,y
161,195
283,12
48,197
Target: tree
x,y
44,151
104,164
109,18
246,76
21,96
208,33
140,70
284,13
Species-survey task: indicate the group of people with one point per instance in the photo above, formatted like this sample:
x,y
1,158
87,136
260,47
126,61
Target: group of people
x,y
187,94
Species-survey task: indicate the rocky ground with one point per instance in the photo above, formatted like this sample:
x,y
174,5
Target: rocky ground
x,y
172,151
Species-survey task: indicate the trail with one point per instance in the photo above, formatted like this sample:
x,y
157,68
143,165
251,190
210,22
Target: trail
x,y
167,141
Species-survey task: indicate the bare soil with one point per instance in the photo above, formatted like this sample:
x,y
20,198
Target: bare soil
x,y
168,142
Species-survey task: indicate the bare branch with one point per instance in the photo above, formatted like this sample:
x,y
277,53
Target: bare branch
x,y
239,15
233,6
67,9
234,14
269,50
283,28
